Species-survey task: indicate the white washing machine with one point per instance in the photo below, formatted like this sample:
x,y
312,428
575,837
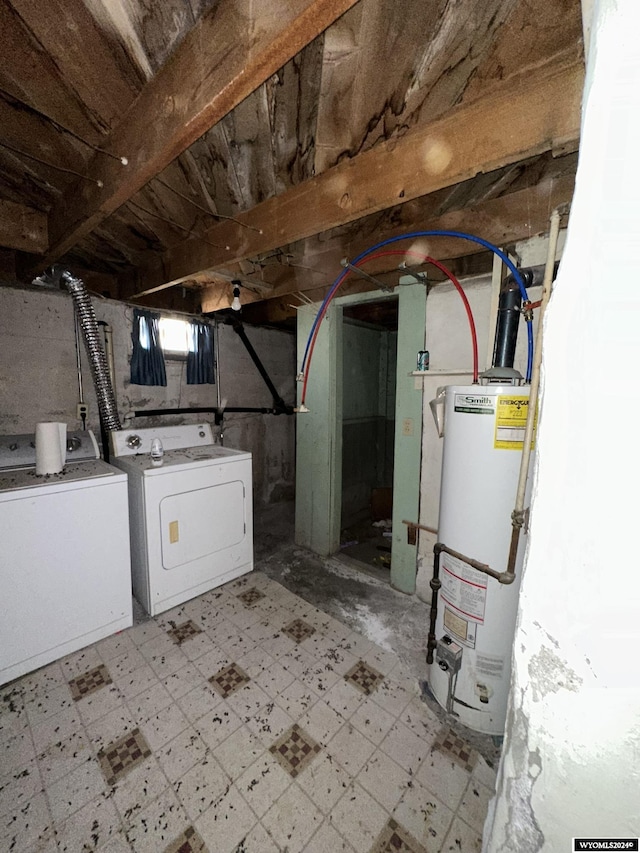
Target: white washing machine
x,y
191,517
65,573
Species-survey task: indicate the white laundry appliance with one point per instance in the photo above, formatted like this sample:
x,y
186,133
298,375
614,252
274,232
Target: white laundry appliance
x,y
65,572
191,512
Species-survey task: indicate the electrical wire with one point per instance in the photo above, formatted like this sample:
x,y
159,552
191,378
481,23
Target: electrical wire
x,y
189,231
413,235
204,209
62,128
50,165
316,326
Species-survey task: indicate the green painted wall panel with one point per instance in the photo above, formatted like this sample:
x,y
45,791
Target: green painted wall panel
x,y
407,455
318,439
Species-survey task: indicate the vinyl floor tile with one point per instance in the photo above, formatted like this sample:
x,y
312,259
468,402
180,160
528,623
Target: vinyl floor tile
x,y
17,788
263,783
326,839
181,754
358,818
207,774
292,820
201,786
226,823
90,828
156,825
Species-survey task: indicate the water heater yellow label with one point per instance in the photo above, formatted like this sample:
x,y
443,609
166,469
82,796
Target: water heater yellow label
x,y
511,420
174,534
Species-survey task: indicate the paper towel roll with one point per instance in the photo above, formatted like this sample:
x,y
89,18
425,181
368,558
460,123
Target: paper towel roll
x,y
51,447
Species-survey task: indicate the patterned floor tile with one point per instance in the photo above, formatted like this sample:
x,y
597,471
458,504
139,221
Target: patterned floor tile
x,y
84,685
250,596
29,829
324,782
188,841
424,815
17,788
153,828
227,823
298,630
395,839
292,820
474,805
262,784
181,754
183,631
453,746
328,839
295,750
384,780
123,755
364,677
229,679
201,787
359,818
461,837
204,772
76,789
90,828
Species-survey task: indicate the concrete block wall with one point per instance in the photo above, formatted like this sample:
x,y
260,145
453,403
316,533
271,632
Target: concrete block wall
x,y
38,381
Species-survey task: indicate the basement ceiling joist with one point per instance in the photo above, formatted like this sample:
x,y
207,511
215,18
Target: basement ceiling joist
x,y
504,220
541,113
324,124
231,51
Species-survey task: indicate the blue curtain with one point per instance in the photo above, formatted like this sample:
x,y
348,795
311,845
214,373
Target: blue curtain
x,y
200,355
147,361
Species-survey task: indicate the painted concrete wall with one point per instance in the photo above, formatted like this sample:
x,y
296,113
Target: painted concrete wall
x,y
38,380
367,424
571,762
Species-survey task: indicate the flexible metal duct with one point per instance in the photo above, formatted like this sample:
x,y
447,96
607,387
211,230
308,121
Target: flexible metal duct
x,y
93,345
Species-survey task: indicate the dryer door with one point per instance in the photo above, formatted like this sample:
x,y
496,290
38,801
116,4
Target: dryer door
x,y
201,522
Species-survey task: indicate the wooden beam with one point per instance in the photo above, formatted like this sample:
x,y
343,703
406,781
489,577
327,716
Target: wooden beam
x,y
22,227
514,216
232,50
530,116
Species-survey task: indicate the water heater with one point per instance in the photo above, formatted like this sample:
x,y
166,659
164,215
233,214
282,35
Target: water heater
x,y
475,625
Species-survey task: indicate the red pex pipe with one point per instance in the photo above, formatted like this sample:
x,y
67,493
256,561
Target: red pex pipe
x,y
425,259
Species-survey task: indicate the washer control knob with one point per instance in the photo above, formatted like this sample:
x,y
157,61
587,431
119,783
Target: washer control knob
x,y
133,441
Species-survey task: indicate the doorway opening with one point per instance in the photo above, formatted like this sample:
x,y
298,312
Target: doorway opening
x,y
369,361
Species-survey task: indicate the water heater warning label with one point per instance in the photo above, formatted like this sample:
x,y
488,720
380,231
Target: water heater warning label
x,y
463,588
462,629
511,420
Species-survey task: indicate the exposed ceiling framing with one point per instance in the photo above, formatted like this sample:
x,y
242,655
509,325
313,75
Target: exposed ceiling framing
x,y
267,141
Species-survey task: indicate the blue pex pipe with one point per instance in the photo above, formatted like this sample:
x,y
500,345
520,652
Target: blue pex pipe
x,y
412,235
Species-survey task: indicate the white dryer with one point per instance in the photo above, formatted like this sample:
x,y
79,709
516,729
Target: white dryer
x,y
191,517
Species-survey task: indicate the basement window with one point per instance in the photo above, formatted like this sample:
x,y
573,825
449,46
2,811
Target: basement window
x,y
174,337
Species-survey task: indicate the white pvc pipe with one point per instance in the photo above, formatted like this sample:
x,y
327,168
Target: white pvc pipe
x,y
554,230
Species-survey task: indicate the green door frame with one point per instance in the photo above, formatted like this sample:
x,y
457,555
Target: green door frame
x,y
319,432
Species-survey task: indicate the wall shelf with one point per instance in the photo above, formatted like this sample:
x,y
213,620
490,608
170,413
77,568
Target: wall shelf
x,y
457,372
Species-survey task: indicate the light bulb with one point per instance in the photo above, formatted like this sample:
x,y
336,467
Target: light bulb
x,y
236,299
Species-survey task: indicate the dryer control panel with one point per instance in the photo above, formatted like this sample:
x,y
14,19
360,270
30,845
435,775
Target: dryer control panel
x,y
133,441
